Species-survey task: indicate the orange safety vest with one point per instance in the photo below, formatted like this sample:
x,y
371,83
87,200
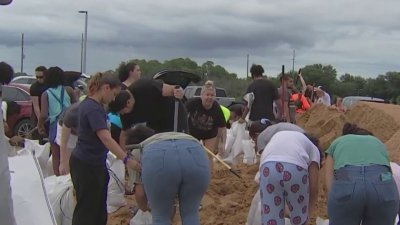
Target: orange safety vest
x,y
301,105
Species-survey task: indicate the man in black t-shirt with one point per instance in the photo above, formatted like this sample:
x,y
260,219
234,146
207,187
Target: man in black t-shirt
x,y
150,102
36,91
265,94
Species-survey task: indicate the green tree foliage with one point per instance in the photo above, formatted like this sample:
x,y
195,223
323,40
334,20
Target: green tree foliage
x,y
383,86
320,75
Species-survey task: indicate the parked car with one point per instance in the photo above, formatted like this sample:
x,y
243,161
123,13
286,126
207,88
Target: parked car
x,y
351,100
24,80
19,124
221,96
29,80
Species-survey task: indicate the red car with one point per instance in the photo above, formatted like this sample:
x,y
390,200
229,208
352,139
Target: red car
x,y
18,124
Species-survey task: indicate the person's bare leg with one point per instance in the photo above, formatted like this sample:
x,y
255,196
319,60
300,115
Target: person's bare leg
x,y
55,157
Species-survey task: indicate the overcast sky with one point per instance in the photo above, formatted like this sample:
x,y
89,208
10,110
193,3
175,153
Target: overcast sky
x,y
360,37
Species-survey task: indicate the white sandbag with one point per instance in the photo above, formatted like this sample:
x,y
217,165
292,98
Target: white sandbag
x,y
254,216
31,204
238,132
60,192
142,218
49,168
41,152
116,186
249,157
321,221
230,139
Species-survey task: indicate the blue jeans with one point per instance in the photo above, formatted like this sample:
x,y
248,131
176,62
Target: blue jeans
x,y
175,168
366,194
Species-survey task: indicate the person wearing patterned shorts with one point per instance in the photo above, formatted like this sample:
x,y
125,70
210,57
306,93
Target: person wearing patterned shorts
x,y
289,169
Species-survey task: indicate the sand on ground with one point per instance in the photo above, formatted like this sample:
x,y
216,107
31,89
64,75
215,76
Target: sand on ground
x,y
228,198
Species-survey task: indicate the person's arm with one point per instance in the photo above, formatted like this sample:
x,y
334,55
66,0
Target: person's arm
x,y
105,137
171,91
72,94
141,198
244,114
35,103
122,140
329,162
303,84
43,114
313,170
64,152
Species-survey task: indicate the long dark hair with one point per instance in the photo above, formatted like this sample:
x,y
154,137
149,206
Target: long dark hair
x,y
119,102
350,128
138,134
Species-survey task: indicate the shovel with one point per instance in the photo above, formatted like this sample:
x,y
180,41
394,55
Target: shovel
x,y
222,162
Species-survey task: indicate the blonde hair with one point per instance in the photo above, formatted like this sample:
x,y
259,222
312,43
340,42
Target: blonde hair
x,y
209,84
100,79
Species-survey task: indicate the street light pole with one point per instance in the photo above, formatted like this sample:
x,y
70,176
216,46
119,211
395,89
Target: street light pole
x,y
85,42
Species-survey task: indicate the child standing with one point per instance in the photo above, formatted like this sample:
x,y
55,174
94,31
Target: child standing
x,y
88,160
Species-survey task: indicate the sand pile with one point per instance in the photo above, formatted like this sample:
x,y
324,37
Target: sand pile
x,y
228,198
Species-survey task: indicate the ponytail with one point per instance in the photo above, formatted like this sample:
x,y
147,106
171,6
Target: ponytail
x,y
100,79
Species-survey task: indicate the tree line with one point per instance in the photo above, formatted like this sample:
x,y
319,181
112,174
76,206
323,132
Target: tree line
x,y
385,86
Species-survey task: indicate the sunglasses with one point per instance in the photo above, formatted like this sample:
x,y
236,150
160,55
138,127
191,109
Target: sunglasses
x,y
39,77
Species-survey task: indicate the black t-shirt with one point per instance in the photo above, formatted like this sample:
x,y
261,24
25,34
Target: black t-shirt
x,y
37,90
204,123
265,93
150,106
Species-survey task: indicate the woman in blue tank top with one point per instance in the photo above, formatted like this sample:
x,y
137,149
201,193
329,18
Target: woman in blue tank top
x,y
54,101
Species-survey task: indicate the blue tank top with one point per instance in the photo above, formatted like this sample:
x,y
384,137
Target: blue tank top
x,y
59,100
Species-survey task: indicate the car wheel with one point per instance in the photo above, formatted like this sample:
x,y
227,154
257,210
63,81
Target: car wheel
x,y
23,128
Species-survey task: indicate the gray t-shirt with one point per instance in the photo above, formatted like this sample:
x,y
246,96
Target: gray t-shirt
x,y
70,118
267,134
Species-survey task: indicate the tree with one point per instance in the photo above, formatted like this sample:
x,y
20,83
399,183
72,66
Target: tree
x,y
320,75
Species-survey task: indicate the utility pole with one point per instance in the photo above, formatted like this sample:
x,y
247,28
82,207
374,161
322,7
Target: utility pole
x,y
85,42
22,53
293,60
247,71
82,53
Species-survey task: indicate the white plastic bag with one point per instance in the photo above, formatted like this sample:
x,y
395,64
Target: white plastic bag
x,y
238,133
60,193
254,217
116,186
42,153
142,218
249,157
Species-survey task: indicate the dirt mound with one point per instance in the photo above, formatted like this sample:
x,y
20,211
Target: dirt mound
x,y
326,123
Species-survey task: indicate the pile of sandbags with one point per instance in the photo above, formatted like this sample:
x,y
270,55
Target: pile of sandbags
x,y
238,142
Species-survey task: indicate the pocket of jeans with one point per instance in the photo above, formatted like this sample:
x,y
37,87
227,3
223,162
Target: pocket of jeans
x,y
153,160
199,156
342,191
386,190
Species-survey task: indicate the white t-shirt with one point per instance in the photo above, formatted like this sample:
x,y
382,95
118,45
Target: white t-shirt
x,y
290,147
326,99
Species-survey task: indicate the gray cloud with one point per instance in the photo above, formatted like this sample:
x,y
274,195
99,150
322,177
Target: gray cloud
x,y
360,37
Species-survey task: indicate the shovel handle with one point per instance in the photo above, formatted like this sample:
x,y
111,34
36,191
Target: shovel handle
x,y
221,161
